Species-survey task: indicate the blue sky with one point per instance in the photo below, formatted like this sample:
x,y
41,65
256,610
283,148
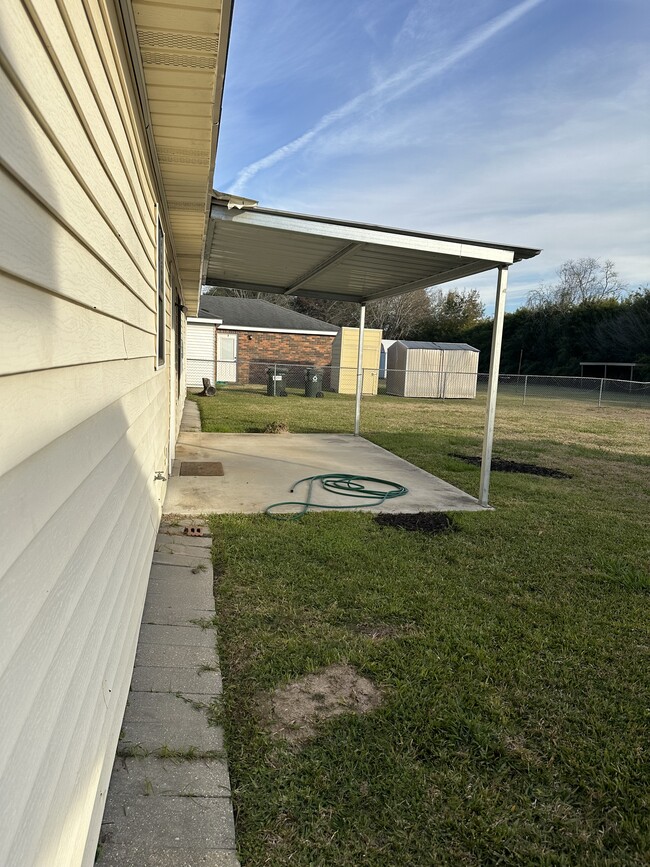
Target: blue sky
x,y
518,122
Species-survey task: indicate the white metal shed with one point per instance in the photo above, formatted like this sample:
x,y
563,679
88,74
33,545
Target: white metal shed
x,y
417,368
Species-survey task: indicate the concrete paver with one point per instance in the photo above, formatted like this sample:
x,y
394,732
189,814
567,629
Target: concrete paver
x,y
173,811
185,636
149,776
175,533
168,545
150,678
172,822
201,559
191,417
135,855
164,588
155,719
167,612
174,656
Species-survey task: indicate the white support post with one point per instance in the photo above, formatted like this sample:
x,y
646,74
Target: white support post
x,y
357,405
493,384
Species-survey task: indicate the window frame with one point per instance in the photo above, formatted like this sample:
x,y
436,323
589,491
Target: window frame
x,y
161,353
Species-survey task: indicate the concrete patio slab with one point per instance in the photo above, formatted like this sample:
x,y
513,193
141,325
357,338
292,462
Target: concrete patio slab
x,y
259,469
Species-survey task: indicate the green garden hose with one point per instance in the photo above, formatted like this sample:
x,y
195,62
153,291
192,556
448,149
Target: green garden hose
x,y
344,484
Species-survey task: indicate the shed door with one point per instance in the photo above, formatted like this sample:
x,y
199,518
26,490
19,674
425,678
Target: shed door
x,y
226,357
200,353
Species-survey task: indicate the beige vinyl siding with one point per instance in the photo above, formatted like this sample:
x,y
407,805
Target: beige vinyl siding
x,y
345,355
85,418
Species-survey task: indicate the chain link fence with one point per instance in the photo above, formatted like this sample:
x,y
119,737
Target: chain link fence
x,y
280,379
535,390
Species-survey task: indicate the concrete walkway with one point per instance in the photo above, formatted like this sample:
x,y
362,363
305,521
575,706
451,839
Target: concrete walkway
x,y
259,469
169,801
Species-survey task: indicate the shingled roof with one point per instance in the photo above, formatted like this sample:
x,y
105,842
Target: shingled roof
x,y
254,313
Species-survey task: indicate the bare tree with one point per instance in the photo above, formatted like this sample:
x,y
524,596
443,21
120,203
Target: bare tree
x,y
280,300
400,316
335,312
580,281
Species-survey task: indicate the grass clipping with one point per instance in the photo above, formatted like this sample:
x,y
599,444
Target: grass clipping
x,y
294,711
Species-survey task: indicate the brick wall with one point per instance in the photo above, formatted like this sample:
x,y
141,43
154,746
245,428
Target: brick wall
x,y
256,350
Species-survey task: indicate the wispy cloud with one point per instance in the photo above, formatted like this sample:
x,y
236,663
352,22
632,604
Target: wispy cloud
x,y
389,88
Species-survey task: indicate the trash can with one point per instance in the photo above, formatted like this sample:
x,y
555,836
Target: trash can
x,y
314,382
276,381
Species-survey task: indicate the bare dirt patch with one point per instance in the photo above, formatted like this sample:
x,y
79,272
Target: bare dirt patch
x,y
501,465
420,522
381,631
276,427
294,711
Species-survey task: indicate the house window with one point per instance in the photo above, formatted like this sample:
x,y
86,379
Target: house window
x,y
160,289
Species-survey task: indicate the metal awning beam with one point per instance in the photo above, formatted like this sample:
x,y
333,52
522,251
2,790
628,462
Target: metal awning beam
x,y
324,266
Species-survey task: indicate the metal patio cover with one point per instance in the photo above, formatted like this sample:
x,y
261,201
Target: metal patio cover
x,y
262,250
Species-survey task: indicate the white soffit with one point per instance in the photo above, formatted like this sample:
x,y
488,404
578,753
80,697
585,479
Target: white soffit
x,y
262,250
182,50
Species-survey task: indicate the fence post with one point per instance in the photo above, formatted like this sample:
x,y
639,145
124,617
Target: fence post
x,y
275,378
525,387
600,393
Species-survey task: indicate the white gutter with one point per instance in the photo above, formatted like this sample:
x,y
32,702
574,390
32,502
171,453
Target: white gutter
x,y
272,330
201,320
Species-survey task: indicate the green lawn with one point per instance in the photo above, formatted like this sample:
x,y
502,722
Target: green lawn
x,y
513,662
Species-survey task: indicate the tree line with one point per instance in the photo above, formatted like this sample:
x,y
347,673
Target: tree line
x,y
586,315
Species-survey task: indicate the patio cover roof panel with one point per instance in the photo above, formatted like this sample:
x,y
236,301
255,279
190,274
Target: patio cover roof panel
x,y
268,255
279,252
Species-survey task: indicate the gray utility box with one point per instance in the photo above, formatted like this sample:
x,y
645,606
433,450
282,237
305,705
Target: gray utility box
x,y
314,382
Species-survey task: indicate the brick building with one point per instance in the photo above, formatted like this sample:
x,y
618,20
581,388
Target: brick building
x,y
254,334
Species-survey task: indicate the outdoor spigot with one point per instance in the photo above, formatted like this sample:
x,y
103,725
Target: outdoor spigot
x,y
159,476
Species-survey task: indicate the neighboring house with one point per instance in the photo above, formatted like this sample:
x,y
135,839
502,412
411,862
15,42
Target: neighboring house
x,y
109,115
250,334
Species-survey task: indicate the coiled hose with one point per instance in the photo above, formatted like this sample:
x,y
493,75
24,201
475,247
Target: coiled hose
x,y
343,484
